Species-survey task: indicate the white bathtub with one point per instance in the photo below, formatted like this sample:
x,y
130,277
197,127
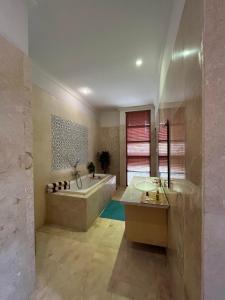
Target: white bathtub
x,y
86,184
76,208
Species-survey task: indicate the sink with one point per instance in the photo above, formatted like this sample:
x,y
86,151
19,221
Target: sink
x,y
145,186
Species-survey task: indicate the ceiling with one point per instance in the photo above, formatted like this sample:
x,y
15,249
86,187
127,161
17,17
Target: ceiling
x,y
95,43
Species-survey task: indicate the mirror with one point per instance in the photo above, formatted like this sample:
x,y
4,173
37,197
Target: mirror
x,y
164,152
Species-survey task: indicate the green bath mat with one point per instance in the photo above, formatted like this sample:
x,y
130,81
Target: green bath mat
x,y
114,210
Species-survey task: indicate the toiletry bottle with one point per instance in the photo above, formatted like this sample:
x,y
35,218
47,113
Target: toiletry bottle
x,y
157,195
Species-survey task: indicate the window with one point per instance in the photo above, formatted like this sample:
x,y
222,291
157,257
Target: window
x,y
177,151
163,151
138,135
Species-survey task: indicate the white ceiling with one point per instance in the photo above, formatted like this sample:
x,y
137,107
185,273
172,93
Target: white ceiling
x,y
95,43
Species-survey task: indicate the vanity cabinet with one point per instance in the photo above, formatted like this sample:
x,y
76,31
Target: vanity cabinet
x,y
145,222
146,225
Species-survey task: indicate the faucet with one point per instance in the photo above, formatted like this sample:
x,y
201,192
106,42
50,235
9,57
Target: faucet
x,y
76,172
77,175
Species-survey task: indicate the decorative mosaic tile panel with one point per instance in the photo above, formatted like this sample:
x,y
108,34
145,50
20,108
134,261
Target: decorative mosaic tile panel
x,y
69,143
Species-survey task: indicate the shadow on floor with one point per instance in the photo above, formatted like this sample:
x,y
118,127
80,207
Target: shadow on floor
x,y
98,265
140,272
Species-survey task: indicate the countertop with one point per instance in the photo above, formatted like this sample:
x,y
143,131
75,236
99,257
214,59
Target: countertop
x,y
132,196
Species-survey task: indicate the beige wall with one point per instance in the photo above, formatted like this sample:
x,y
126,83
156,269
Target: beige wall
x,y
108,140
44,105
181,104
214,151
17,265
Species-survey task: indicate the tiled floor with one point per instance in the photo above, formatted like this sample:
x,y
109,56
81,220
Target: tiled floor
x,y
98,265
118,193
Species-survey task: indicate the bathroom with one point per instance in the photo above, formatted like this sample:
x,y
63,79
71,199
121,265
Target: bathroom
x,y
142,82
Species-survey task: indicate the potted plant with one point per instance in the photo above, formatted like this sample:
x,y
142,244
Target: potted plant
x,y
91,168
104,159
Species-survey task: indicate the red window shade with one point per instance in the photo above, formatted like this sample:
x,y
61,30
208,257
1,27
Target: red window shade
x,y
163,151
163,133
177,148
138,149
138,164
138,134
177,151
138,118
138,143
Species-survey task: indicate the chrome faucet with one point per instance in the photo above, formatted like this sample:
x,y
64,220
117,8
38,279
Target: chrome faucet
x,y
76,172
77,175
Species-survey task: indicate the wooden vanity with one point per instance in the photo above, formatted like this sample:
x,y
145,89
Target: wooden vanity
x,y
145,222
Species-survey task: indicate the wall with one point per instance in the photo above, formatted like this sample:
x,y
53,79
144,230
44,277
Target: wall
x,y
181,103
53,99
17,264
214,154
177,10
14,22
109,140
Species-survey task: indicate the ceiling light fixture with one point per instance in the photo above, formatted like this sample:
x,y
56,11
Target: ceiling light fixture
x,y
139,62
85,90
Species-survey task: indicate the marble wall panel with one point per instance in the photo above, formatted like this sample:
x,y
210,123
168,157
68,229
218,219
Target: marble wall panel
x,y
17,263
182,98
44,106
108,140
214,153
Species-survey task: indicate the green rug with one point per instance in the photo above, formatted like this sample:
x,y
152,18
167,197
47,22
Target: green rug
x,y
114,210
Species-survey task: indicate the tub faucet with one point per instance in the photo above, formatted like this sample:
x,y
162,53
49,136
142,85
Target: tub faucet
x,y
77,175
76,172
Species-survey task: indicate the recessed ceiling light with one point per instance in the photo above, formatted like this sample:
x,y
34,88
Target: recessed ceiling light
x,y
139,62
85,90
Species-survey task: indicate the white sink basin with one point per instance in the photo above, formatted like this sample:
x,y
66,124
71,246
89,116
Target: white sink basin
x,y
145,186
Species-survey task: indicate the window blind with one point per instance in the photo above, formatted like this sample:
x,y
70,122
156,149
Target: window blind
x,y
177,152
138,137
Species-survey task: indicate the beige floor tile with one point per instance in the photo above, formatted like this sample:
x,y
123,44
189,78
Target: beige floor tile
x,y
118,193
98,264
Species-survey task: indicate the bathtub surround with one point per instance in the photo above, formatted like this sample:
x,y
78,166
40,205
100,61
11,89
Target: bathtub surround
x,y
78,209
69,143
17,265
51,98
181,104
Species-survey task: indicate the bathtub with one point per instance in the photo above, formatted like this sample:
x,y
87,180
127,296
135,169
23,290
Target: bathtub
x,y
76,208
86,183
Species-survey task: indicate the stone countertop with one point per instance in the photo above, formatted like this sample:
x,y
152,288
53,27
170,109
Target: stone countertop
x,y
132,196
